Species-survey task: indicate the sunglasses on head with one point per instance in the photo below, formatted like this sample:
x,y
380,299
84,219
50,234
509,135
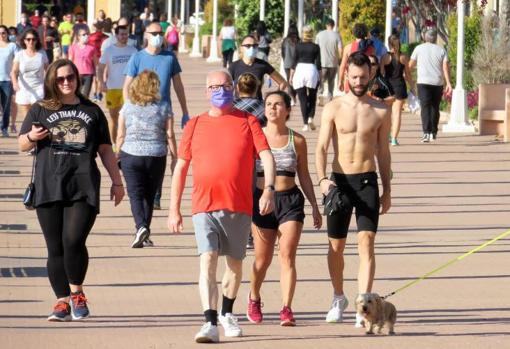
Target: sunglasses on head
x,y
68,78
155,33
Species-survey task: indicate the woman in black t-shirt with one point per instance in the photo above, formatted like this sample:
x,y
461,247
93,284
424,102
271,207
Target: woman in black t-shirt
x,y
67,132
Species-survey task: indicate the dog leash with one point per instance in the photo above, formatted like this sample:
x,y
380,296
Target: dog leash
x,y
447,264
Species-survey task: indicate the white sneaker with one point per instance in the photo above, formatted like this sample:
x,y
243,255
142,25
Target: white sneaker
x,y
141,234
360,322
305,128
336,313
230,325
311,124
208,334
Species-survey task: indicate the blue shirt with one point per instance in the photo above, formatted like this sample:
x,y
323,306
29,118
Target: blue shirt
x,y
380,49
6,59
145,129
164,64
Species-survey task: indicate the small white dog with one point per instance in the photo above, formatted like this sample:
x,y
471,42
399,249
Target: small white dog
x,y
375,311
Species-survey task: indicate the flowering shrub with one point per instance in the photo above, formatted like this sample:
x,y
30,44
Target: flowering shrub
x,y
472,102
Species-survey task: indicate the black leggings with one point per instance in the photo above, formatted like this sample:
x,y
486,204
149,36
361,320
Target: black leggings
x,y
228,56
86,84
307,101
144,176
292,92
65,227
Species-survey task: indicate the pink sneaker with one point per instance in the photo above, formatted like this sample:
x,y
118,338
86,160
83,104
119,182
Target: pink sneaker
x,y
254,312
286,317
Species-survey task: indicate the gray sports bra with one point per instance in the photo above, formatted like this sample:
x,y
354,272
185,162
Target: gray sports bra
x,y
285,159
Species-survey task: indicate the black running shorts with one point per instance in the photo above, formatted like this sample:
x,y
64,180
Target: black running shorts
x,y
363,193
289,206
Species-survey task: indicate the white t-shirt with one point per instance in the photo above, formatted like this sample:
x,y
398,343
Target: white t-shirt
x,y
228,32
31,69
429,59
112,40
116,58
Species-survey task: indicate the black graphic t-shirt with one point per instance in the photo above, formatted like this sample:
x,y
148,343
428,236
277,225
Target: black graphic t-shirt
x,y
66,168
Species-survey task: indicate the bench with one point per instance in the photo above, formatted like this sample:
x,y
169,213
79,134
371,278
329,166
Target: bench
x,y
494,110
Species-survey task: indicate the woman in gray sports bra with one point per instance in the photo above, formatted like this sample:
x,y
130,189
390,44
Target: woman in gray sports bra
x,y
286,221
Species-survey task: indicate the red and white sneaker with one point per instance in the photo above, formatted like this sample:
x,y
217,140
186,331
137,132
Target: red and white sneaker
x,y
287,317
254,312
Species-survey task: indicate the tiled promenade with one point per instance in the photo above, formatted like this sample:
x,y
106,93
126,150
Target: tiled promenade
x,y
448,197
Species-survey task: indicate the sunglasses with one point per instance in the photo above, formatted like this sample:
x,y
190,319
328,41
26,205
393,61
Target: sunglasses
x,y
31,39
3,33
68,78
250,45
155,33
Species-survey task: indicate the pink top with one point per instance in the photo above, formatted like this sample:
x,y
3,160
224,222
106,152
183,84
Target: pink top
x,y
83,57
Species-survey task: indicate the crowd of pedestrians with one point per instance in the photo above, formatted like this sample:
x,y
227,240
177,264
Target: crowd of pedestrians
x,y
245,158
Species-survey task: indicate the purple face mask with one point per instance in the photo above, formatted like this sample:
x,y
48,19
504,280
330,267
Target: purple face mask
x,y
222,98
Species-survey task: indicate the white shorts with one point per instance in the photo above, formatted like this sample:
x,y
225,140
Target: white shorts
x,y
306,75
29,96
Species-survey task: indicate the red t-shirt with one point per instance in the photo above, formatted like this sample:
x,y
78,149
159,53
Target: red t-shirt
x,y
222,151
96,39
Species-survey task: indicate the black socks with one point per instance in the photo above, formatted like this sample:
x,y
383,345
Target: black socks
x,y
227,306
211,316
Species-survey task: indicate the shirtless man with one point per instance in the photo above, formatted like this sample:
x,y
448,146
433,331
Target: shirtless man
x,y
359,127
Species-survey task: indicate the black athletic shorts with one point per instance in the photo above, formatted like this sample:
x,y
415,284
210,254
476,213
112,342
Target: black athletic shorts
x,y
363,193
289,206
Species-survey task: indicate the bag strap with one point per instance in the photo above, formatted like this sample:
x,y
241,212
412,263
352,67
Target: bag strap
x,y
34,160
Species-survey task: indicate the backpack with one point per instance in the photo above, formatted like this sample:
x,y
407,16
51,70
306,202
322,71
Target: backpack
x,y
173,37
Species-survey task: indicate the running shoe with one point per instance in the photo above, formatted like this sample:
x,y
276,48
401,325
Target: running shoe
x,y
79,309
5,132
336,313
254,312
287,317
432,137
249,244
394,141
14,129
306,128
425,138
61,312
311,124
157,204
148,242
141,234
208,334
230,325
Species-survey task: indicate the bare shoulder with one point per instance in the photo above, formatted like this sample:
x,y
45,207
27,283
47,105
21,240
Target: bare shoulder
x,y
332,107
299,139
379,107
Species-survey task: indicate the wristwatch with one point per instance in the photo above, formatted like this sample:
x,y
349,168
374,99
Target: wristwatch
x,y
269,187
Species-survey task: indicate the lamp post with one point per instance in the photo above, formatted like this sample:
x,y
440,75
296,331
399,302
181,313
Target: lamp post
x,y
458,115
182,42
169,15
213,55
389,10
301,10
334,13
195,51
262,14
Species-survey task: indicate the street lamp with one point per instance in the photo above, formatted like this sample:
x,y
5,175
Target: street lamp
x,y
458,115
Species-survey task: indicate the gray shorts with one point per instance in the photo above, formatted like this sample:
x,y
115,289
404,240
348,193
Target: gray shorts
x,y
223,231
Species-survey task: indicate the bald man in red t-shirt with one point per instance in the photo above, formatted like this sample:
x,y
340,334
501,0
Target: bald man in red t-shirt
x,y
221,145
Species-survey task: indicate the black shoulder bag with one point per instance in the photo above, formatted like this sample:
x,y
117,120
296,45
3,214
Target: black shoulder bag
x,y
29,196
